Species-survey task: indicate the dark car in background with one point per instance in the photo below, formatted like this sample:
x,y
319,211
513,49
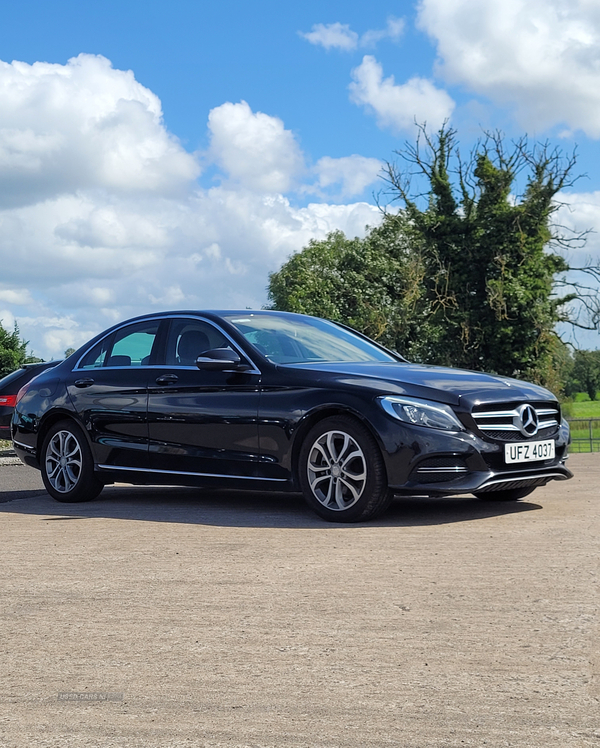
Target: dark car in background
x,y
10,385
266,399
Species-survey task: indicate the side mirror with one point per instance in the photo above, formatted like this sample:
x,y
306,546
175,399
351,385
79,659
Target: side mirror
x,y
220,359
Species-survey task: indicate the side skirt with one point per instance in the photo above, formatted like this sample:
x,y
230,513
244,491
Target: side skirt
x,y
147,476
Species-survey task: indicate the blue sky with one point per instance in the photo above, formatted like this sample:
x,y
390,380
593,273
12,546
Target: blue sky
x,y
196,55
169,155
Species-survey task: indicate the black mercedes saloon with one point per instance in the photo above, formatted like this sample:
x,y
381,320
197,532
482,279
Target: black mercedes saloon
x,y
272,400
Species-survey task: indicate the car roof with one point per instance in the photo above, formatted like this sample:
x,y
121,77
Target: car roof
x,y
211,313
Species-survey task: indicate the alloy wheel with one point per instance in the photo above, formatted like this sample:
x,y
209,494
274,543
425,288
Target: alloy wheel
x,y
337,470
63,461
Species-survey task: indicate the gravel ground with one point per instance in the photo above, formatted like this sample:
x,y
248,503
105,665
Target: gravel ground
x,y
241,620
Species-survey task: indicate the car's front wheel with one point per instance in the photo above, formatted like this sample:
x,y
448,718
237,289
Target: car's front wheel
x,y
341,471
67,464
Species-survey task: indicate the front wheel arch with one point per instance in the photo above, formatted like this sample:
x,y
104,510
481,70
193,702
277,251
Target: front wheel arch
x,y
341,471
311,420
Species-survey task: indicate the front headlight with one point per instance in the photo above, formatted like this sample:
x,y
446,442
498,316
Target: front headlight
x,y
421,413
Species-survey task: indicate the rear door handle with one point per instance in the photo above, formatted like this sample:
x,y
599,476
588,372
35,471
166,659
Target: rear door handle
x,y
167,379
84,383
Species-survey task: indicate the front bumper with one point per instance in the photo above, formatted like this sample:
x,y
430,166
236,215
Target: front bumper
x,y
487,482
428,462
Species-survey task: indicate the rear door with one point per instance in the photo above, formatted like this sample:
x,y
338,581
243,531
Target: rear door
x,y
109,391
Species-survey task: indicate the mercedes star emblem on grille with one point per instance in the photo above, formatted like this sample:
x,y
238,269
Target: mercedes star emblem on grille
x,y
528,420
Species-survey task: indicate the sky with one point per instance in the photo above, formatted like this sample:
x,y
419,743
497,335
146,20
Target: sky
x,y
169,155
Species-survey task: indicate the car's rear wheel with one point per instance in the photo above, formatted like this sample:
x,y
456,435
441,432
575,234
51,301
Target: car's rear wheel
x,y
341,471
67,464
513,494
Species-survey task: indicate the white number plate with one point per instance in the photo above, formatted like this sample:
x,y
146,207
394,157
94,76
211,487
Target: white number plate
x,y
529,451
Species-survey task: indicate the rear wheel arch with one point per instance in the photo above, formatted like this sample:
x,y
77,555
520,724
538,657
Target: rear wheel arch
x,y
51,419
67,464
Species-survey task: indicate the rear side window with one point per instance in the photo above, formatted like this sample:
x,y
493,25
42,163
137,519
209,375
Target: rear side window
x,y
95,358
131,346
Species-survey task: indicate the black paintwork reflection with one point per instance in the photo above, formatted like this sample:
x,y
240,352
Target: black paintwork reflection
x,y
205,422
113,410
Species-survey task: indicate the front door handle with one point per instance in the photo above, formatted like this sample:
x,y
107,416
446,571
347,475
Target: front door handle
x,y
167,379
84,383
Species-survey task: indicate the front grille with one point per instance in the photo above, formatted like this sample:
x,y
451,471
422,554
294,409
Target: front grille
x,y
517,436
518,423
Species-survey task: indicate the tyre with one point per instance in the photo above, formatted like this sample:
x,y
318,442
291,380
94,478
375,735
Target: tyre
x,y
341,471
512,494
67,464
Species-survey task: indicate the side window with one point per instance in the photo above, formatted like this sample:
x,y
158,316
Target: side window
x,y
188,338
95,358
131,346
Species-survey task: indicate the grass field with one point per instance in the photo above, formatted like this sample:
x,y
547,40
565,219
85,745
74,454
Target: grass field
x,y
585,435
587,409
580,397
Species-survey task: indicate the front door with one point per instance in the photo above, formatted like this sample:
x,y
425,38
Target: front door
x,y
201,422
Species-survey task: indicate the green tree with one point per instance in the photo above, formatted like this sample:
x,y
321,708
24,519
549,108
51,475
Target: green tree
x,y
491,253
13,350
470,269
372,284
585,373
69,352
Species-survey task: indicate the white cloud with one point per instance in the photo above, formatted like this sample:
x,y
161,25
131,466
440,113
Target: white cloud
x,y
340,35
109,220
217,249
7,319
393,30
352,173
332,36
83,125
398,106
255,149
541,56
580,212
16,296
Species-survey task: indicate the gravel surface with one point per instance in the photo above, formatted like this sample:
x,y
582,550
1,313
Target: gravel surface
x,y
172,617
9,460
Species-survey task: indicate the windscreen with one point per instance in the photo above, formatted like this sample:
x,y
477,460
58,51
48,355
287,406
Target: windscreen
x,y
304,340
